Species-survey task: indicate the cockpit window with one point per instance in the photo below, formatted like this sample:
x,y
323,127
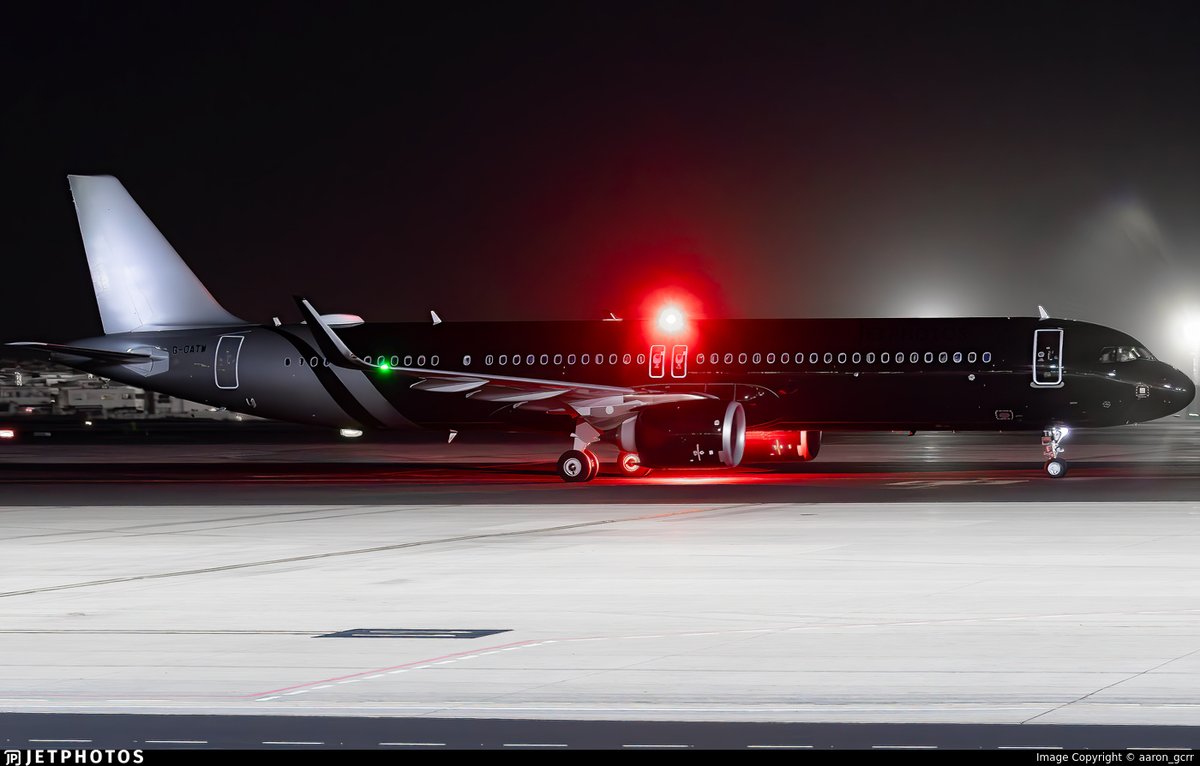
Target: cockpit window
x,y
1112,354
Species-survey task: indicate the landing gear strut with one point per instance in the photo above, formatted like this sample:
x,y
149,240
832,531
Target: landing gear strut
x,y
1052,439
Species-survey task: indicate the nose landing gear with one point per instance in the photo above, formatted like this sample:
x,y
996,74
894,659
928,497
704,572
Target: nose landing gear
x,y
1052,439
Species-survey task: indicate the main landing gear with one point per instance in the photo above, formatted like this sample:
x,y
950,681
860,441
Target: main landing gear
x,y
630,465
578,465
582,465
1052,439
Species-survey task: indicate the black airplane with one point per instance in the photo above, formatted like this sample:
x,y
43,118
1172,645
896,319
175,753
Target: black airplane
x,y
668,392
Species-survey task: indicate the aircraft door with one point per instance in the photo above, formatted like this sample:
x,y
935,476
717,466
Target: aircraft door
x,y
226,367
1047,358
679,355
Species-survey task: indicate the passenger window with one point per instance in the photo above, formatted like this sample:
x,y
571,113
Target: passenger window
x,y
612,358
914,357
943,357
714,358
570,359
729,359
433,360
957,357
885,357
421,360
489,360
529,359
641,359
987,357
771,358
928,357
856,358
828,358
626,359
971,357
558,358
742,358
870,357
504,359
783,358
545,359
585,358
758,359
842,358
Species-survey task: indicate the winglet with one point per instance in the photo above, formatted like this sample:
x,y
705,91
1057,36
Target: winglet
x,y
437,320
1042,313
327,340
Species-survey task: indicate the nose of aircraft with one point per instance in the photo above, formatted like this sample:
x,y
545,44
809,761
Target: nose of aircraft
x,y
1182,386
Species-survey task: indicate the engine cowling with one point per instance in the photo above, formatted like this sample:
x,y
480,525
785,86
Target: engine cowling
x,y
782,446
694,434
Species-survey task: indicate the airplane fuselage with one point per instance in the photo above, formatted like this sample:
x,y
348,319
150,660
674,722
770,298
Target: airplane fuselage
x,y
821,374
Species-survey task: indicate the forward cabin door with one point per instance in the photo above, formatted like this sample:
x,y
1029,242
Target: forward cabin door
x,y
1047,358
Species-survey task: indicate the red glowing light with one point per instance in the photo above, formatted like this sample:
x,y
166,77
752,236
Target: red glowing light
x,y
670,318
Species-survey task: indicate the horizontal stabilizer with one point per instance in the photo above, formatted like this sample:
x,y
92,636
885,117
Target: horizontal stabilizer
x,y
99,355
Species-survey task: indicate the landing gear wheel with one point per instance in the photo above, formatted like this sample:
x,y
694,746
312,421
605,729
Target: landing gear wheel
x,y
630,465
595,463
577,465
1056,469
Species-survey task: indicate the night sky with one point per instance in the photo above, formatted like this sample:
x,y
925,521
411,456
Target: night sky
x,y
562,161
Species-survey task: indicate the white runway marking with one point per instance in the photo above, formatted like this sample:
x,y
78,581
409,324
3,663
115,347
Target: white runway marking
x,y
177,742
412,744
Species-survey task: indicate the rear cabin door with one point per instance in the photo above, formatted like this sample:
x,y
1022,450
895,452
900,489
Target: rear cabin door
x,y
228,350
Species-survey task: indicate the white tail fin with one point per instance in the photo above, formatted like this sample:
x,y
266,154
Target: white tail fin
x,y
141,283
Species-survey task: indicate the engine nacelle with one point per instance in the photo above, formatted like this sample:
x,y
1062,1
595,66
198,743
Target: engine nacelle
x,y
702,433
782,446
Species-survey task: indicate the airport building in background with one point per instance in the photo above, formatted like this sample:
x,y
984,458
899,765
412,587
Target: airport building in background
x,y
40,389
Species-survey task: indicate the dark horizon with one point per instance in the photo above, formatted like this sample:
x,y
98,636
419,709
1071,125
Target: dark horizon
x,y
540,163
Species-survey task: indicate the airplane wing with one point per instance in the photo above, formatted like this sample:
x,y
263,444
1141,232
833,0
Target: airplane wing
x,y
598,404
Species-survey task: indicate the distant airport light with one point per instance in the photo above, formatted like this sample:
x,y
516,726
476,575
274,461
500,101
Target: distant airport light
x,y
350,433
7,433
1191,329
670,319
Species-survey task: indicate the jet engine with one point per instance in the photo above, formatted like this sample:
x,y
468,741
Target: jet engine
x,y
782,446
702,433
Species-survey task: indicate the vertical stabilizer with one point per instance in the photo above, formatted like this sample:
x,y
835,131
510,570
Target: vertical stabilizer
x,y
141,283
